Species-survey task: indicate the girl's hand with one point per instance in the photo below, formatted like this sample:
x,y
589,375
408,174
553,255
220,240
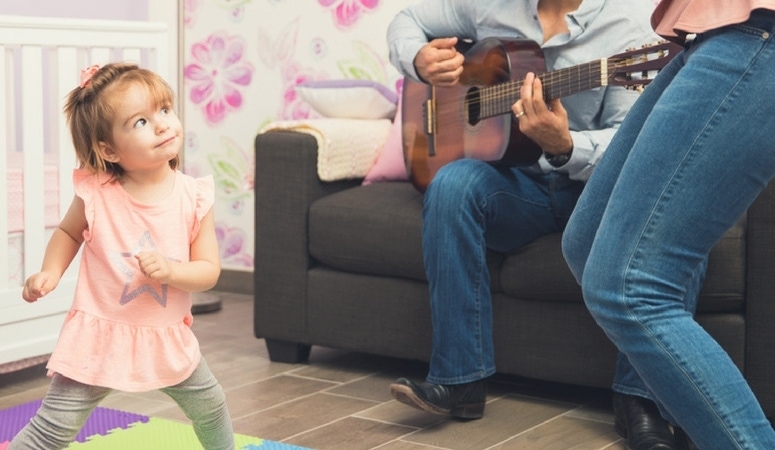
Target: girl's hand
x,y
38,285
154,266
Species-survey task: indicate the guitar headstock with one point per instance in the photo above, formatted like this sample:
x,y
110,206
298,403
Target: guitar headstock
x,y
636,68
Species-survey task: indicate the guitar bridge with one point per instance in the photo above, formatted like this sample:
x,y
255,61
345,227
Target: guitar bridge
x,y
430,126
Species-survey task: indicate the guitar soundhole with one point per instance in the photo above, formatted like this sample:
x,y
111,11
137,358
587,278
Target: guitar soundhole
x,y
473,106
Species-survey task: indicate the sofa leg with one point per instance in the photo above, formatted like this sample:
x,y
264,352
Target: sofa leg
x,y
287,352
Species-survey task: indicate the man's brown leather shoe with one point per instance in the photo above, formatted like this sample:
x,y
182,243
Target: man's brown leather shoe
x,y
464,401
638,420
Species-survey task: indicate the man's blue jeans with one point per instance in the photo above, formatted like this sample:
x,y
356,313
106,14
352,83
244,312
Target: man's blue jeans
x,y
690,158
471,206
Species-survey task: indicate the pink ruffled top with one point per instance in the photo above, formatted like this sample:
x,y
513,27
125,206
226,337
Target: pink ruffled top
x,y
125,331
674,19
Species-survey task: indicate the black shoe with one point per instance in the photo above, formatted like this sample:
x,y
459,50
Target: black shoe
x,y
638,420
682,440
464,401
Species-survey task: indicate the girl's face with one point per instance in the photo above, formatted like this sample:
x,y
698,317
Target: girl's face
x,y
146,136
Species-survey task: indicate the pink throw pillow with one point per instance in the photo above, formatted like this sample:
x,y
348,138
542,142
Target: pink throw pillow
x,y
390,165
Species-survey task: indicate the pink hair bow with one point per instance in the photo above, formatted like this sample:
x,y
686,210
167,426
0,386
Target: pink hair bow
x,y
87,73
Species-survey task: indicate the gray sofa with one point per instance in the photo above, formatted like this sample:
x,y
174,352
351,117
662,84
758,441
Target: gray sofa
x,y
338,264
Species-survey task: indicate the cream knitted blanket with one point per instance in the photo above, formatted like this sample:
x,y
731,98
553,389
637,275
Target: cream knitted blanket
x,y
347,148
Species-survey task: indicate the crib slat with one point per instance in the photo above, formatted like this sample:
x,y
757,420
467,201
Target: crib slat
x,y
5,143
67,80
101,55
67,70
32,143
134,55
158,57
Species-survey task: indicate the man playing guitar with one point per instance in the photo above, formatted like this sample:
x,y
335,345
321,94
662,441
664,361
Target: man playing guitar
x,y
472,206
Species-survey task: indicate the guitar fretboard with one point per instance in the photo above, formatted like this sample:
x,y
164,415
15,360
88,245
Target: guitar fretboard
x,y
497,99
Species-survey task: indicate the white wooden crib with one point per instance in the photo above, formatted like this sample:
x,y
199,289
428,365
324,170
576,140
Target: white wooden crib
x,y
40,62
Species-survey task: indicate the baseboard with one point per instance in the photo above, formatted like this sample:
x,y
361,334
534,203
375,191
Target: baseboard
x,y
235,281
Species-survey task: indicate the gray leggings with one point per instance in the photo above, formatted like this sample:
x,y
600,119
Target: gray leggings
x,y
69,403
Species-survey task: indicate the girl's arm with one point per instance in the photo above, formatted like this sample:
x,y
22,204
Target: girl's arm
x,y
200,273
60,251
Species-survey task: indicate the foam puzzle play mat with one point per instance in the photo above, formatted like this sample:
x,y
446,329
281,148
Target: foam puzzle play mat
x,y
111,429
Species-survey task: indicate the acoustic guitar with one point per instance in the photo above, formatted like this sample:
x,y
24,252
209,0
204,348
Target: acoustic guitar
x,y
473,119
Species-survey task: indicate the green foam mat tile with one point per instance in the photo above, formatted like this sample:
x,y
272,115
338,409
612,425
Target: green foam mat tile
x,y
162,434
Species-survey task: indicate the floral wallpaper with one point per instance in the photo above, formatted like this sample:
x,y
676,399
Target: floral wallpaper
x,y
242,60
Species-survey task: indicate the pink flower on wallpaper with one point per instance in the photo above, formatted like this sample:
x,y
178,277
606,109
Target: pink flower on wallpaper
x,y
293,107
217,73
347,12
231,242
189,12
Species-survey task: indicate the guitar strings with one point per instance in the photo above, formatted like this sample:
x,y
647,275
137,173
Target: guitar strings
x,y
552,81
501,96
562,80
497,99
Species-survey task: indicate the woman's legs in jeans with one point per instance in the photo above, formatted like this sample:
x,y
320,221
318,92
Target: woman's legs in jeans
x,y
202,400
61,416
688,161
627,380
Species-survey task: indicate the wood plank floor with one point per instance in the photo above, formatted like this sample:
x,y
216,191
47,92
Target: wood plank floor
x,y
340,400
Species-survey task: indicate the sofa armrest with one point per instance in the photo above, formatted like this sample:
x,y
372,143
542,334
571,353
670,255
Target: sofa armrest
x,y
760,299
286,184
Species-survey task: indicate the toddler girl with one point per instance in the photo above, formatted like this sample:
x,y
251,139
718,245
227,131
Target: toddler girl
x,y
149,241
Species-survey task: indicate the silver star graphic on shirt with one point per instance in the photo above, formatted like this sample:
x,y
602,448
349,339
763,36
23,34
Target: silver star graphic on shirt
x,y
118,258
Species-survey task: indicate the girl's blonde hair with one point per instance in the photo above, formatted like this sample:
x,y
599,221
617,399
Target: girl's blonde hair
x,y
89,111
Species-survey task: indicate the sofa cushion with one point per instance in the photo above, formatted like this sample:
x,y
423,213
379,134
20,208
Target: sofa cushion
x,y
373,229
538,271
377,229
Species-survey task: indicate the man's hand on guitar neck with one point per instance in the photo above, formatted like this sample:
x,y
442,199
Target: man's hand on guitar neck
x,y
439,63
546,124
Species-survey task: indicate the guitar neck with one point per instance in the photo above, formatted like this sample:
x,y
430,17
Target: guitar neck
x,y
497,99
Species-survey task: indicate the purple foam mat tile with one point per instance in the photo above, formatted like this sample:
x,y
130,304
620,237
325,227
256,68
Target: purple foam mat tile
x,y
13,419
101,420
